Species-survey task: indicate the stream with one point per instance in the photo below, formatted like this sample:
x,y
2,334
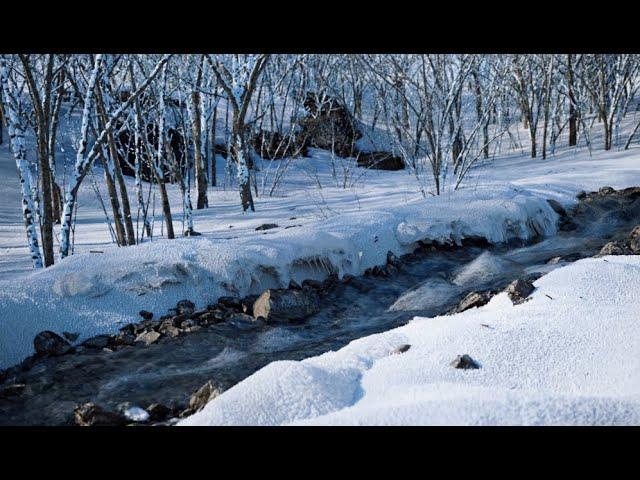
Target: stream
x,y
429,284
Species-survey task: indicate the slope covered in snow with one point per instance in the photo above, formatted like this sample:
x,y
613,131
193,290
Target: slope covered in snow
x,y
568,356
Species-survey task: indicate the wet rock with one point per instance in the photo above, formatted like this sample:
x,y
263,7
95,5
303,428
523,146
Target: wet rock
x,y
147,338
72,337
615,248
634,240
519,290
146,315
293,285
267,226
185,307
392,259
14,390
244,321
247,304
99,341
124,338
92,415
202,396
380,161
559,209
313,284
158,412
211,318
400,349
606,191
285,305
129,328
631,192
232,303
473,300
581,195
50,343
465,362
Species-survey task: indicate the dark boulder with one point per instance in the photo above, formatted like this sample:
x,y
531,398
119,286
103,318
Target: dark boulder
x,y
380,161
202,396
50,343
285,305
606,191
267,226
146,315
275,146
473,300
99,341
465,362
400,349
14,390
519,290
329,125
185,307
634,240
615,248
92,415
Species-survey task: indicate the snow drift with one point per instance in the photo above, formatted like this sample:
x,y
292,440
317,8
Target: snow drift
x,y
92,293
568,356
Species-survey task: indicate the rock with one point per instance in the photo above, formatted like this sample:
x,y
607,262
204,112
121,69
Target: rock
x,y
559,209
400,349
185,307
232,303
267,226
473,300
147,338
171,331
243,321
465,362
275,146
146,315
188,323
293,285
247,304
128,328
99,341
50,343
211,318
191,233
380,161
519,290
313,284
285,305
202,396
581,195
158,412
606,191
72,337
634,240
615,248
392,259
92,415
630,192
14,390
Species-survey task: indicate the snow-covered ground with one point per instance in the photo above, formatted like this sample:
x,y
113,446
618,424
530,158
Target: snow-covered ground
x,y
341,229
568,356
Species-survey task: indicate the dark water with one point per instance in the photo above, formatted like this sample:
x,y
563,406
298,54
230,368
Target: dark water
x,y
428,285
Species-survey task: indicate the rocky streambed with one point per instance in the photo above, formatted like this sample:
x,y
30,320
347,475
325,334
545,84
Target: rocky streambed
x,y
170,364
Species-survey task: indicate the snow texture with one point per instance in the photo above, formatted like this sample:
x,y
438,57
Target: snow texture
x,y
568,356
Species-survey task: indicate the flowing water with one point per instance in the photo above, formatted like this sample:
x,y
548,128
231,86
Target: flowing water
x,y
430,284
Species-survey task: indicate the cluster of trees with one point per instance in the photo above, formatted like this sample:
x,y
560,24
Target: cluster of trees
x,y
441,113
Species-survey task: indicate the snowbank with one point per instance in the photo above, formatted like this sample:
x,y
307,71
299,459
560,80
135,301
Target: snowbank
x,y
567,356
92,293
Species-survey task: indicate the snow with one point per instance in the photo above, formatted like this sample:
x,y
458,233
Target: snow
x,y
566,360
332,229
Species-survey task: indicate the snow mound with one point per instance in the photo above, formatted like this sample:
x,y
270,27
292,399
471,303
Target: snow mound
x,y
91,293
566,360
